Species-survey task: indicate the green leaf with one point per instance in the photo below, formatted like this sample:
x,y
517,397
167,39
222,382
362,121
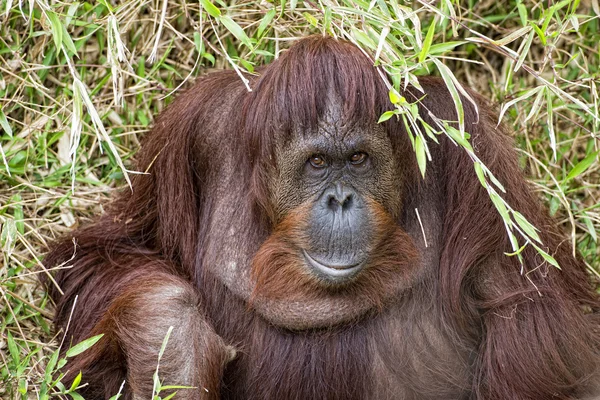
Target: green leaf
x,y
540,33
76,382
395,98
513,36
529,229
458,137
428,39
76,396
210,8
18,213
68,42
13,349
164,343
385,116
550,122
500,206
236,30
522,13
264,23
496,182
106,4
519,250
209,57
22,386
528,93
61,363
4,124
550,12
536,104
249,67
582,165
50,366
198,42
8,236
431,133
554,205
56,27
311,19
442,48
327,20
589,224
59,385
83,346
480,174
546,256
524,52
454,88
421,156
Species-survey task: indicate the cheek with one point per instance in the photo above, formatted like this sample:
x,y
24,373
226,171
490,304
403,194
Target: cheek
x,y
302,258
283,280
386,189
289,194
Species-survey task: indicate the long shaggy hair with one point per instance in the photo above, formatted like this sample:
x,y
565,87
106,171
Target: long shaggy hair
x,y
530,335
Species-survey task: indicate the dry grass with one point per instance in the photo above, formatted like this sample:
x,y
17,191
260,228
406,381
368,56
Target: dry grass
x,y
81,82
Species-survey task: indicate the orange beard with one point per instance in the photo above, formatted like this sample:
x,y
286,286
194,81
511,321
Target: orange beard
x,y
280,271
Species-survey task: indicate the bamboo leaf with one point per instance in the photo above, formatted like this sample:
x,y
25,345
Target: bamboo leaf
x,y
311,19
529,229
500,206
550,123
427,42
546,256
210,8
480,174
589,224
4,124
76,382
522,13
524,52
83,346
582,165
536,104
56,28
385,116
524,96
236,30
395,98
421,156
264,23
442,48
513,36
540,33
68,42
13,349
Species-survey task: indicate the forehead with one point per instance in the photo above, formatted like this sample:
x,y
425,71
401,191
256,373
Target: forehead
x,y
336,133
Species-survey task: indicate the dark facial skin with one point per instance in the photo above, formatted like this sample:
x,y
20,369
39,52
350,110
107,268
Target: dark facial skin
x,y
338,170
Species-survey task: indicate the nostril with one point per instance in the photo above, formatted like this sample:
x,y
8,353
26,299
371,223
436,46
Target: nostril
x,y
348,201
333,204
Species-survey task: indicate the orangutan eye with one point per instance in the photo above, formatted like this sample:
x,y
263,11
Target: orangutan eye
x,y
358,158
317,161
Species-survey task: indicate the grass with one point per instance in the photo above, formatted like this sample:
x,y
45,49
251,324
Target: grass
x,y
81,82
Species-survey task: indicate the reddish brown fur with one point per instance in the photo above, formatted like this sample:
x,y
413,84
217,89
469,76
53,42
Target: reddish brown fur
x,y
280,272
524,336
